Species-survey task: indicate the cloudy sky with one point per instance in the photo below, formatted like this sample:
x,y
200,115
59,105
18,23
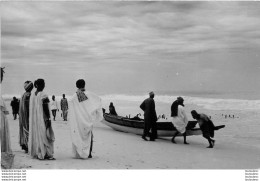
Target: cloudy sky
x,y
132,47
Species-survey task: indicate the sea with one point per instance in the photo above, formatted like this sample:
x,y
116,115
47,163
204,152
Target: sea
x,y
129,103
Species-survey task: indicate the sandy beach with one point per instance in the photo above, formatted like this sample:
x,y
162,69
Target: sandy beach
x,y
237,147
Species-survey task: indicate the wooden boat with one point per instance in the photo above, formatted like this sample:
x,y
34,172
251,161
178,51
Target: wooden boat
x,y
164,129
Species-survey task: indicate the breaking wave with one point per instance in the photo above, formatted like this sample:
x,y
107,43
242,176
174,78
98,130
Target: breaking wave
x,y
207,103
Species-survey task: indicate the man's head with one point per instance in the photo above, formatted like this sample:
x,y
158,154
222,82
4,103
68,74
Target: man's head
x,y
80,84
180,101
194,114
151,94
28,86
14,98
40,84
63,95
35,84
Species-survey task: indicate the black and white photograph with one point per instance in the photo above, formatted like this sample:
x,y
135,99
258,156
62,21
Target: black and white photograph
x,y
130,86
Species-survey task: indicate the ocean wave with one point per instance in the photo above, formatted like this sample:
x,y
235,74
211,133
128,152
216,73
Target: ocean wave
x,y
207,103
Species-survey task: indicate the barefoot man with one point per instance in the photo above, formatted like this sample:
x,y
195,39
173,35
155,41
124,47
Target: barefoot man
x,y
206,125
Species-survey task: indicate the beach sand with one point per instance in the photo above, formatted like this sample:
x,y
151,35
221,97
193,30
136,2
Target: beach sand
x,y
237,147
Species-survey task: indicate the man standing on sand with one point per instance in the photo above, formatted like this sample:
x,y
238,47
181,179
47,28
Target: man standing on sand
x,y
41,135
150,117
206,125
6,151
64,107
85,109
24,116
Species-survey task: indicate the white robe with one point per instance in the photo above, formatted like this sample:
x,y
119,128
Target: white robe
x,y
82,116
5,134
39,145
180,122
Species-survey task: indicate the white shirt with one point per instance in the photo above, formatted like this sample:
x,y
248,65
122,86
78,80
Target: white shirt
x,y
53,105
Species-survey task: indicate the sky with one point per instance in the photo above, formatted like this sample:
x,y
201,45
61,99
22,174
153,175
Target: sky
x,y
132,47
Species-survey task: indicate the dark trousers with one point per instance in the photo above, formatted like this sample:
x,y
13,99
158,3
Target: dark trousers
x,y
150,126
91,144
54,113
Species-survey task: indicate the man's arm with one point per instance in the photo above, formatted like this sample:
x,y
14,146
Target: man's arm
x,y
142,106
45,105
67,104
61,104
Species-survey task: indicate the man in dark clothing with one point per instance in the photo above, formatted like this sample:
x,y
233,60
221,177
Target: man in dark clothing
x,y
150,117
112,109
207,127
15,106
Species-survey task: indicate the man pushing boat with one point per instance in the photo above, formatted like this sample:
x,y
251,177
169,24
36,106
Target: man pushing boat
x,y
207,127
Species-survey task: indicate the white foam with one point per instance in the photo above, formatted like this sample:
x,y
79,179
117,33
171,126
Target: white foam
x,y
207,103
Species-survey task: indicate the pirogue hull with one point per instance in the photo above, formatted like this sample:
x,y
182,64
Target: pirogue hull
x,y
164,129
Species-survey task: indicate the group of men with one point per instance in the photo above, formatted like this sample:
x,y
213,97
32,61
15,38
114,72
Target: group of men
x,y
26,108
36,135
178,118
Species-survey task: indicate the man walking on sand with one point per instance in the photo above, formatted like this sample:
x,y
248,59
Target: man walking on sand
x,y
179,118
15,107
64,107
150,117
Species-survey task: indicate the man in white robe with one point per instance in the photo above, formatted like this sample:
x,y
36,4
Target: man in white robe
x,y
85,109
179,118
41,136
7,156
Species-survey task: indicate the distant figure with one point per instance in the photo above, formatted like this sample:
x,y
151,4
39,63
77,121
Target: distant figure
x,y
225,116
206,125
112,109
15,107
64,107
41,135
233,116
54,107
24,116
179,118
84,109
150,117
